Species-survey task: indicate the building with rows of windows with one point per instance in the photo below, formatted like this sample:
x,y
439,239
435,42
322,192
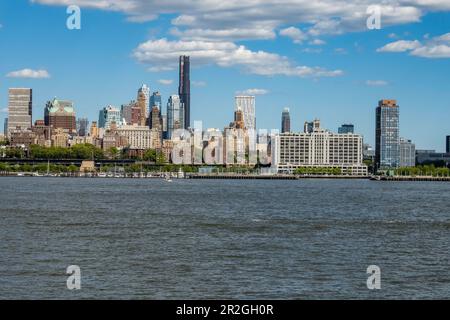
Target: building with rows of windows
x,y
319,148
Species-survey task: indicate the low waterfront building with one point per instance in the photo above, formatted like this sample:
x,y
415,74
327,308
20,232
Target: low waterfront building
x,y
428,157
319,149
87,166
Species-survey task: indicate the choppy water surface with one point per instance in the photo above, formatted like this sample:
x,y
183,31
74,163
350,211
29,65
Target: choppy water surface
x,y
216,239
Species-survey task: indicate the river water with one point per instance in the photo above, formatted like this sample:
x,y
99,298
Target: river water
x,y
219,239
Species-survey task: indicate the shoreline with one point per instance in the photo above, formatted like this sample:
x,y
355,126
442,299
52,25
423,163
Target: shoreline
x,y
165,176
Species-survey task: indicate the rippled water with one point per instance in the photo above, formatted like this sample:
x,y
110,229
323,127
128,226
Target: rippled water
x,y
216,239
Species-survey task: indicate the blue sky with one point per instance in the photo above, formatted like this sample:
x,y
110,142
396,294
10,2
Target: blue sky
x,y
320,61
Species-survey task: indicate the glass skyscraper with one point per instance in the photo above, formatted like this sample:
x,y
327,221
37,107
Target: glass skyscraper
x,y
286,121
175,115
155,100
387,153
109,115
346,128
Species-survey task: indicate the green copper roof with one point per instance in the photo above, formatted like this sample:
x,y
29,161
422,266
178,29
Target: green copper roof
x,y
60,106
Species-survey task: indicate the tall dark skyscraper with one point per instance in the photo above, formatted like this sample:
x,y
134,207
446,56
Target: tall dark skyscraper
x,y
184,89
286,121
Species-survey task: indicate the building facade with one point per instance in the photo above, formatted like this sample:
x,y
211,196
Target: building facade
x,y
82,127
346,128
248,107
175,115
137,137
143,101
109,115
155,100
387,137
319,148
20,108
286,121
60,114
184,89
407,153
5,127
447,144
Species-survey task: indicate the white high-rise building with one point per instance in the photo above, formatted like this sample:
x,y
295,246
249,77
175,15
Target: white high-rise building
x,y
319,148
247,105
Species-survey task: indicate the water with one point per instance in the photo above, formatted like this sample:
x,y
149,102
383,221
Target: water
x,y
217,239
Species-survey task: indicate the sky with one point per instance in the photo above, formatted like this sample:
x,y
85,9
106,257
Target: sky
x,y
318,58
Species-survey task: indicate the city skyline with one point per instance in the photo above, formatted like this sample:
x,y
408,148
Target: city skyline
x,y
369,72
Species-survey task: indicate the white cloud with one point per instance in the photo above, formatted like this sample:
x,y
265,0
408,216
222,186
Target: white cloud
x,y
437,47
224,54
260,19
317,42
400,46
29,73
432,51
165,82
226,34
312,50
253,92
297,35
377,83
4,110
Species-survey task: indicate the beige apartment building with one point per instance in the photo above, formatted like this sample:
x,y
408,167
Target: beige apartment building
x,y
319,148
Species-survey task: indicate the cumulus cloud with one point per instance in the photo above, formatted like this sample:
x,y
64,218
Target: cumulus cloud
x,y
297,35
253,92
224,54
437,47
29,73
377,83
400,46
317,42
260,19
165,82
